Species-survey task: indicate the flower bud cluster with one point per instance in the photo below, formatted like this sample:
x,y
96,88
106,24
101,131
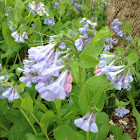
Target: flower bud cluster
x,y
87,123
114,73
85,37
45,68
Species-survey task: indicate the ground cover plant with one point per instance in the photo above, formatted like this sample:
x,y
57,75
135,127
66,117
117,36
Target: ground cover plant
x,y
64,74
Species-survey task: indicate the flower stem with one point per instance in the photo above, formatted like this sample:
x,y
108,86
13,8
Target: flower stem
x,y
28,121
87,135
39,124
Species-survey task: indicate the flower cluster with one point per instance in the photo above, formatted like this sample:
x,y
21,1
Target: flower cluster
x,y
56,5
8,91
20,38
122,122
77,6
109,42
38,8
49,21
87,124
116,25
45,68
111,122
114,73
120,112
85,37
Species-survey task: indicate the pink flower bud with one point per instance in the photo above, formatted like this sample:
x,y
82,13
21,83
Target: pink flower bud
x,y
97,71
68,88
69,79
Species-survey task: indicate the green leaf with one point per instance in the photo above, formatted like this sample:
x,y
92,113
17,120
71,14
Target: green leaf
x,y
17,103
117,132
20,127
21,86
132,58
7,36
18,10
47,119
3,101
40,105
86,61
94,49
75,98
65,132
126,136
75,72
102,121
120,51
102,34
137,115
61,9
58,104
30,136
38,23
27,104
127,28
94,92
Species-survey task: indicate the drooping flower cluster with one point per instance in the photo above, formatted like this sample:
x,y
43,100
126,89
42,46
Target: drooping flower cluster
x,y
77,6
114,73
87,123
116,25
45,68
56,5
109,42
120,112
38,8
85,37
7,90
20,38
49,21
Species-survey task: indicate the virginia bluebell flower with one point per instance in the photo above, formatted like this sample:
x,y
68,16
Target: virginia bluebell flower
x,y
128,38
115,74
49,21
120,112
109,42
87,125
77,6
62,45
20,38
56,5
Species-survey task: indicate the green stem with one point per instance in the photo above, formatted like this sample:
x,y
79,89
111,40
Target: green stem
x,y
34,118
3,127
15,60
28,121
39,124
66,115
87,136
60,117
